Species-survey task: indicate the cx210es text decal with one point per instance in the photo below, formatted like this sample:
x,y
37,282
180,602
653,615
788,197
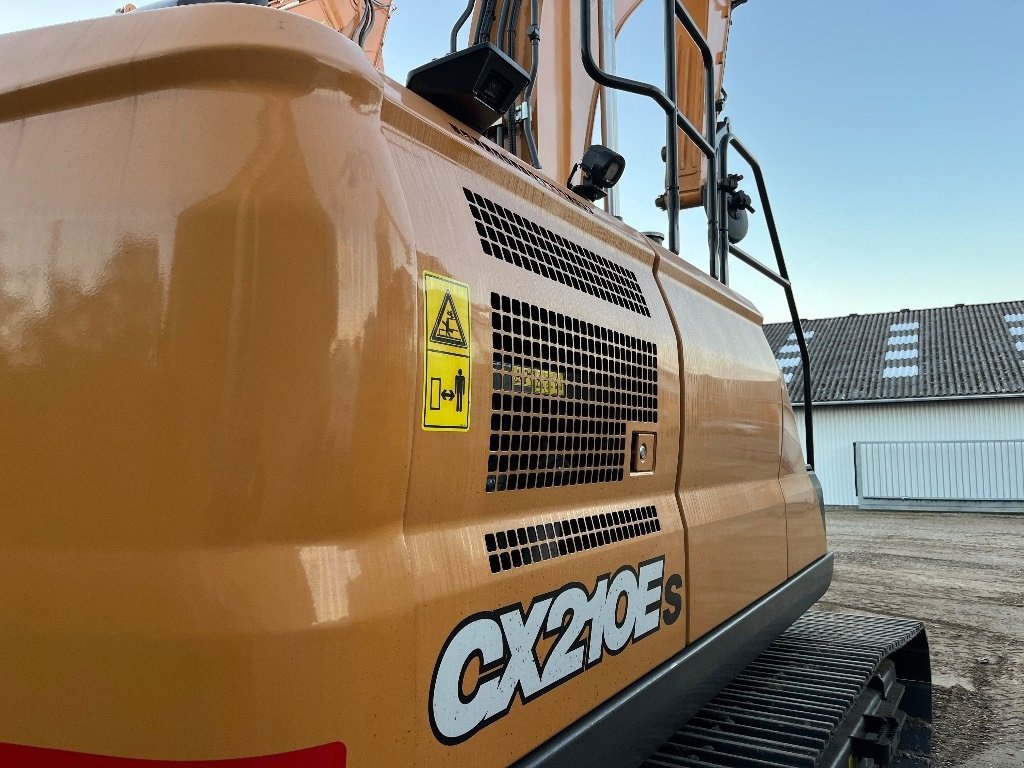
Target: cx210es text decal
x,y
502,644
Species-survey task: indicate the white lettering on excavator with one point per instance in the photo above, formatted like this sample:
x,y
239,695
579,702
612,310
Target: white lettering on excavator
x,y
493,656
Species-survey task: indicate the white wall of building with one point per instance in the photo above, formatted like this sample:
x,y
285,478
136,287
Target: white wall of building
x,y
838,427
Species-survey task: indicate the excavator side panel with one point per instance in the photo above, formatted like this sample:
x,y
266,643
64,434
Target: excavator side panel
x,y
536,508
729,475
805,516
207,282
329,425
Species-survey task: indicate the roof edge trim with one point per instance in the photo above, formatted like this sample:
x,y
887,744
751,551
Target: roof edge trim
x,y
906,400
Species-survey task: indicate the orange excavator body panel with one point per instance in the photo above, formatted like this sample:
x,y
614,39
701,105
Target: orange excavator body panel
x,y
251,509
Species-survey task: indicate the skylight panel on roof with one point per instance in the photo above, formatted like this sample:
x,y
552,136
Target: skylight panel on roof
x,y
901,354
1015,329
902,346
895,341
900,372
788,356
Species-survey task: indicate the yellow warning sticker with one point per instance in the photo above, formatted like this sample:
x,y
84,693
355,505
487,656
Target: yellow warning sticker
x,y
448,351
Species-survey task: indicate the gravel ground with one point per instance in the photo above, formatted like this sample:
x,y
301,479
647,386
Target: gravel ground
x,y
963,576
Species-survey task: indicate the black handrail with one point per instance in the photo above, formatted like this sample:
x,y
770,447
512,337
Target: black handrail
x,y
668,100
715,149
726,140
459,24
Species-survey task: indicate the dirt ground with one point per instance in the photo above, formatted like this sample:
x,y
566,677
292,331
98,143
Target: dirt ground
x,y
962,575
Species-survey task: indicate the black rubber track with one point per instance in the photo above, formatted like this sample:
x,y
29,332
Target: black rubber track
x,y
784,709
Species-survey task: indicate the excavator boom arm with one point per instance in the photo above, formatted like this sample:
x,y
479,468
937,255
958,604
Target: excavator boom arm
x,y
365,21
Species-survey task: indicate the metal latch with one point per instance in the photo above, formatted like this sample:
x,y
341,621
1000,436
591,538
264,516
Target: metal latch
x,y
645,446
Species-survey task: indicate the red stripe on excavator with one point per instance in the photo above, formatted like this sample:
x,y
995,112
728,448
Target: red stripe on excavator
x,y
327,756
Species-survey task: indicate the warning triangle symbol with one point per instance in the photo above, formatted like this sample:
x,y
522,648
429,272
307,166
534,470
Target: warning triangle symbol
x,y
448,327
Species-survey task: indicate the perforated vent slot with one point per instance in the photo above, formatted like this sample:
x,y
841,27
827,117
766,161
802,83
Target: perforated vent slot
x,y
517,547
519,241
563,391
512,163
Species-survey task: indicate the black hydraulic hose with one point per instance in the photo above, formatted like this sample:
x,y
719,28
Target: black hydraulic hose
x,y
508,122
535,43
528,100
509,34
510,29
460,23
367,23
506,8
483,26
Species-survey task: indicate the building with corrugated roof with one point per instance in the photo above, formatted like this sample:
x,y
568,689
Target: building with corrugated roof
x,y
917,408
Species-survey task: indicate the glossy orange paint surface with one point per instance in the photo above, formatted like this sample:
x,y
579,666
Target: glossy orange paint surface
x,y
225,532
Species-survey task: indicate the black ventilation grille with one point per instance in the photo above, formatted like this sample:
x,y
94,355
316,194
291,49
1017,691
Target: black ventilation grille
x,y
562,393
519,241
517,547
512,163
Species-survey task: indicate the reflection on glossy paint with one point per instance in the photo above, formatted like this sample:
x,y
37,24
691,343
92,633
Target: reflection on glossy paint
x,y
329,571
51,311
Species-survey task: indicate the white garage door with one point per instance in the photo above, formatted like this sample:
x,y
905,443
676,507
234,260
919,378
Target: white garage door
x,y
975,473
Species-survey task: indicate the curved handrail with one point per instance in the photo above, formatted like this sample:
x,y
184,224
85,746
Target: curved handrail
x,y
781,277
705,142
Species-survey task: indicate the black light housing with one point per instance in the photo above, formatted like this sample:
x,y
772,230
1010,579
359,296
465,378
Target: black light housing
x,y
476,85
602,168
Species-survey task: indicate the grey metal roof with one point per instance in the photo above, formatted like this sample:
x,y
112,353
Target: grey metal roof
x,y
974,350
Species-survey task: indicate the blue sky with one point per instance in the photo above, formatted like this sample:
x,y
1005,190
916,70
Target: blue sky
x,y
887,132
